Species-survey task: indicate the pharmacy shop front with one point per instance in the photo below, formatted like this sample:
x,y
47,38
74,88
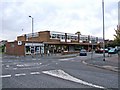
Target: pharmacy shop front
x,y
34,48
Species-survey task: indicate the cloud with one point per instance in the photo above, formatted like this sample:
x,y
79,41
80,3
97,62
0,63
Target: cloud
x,y
58,15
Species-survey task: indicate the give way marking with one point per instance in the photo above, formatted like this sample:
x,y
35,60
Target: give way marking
x,y
66,76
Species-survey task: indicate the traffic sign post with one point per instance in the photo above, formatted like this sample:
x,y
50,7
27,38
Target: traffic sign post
x,y
118,55
92,42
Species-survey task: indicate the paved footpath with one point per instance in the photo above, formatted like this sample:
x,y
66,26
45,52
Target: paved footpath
x,y
110,63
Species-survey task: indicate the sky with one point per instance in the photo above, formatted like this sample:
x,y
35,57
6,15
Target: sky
x,y
67,16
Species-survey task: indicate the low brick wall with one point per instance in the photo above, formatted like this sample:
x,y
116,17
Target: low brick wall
x,y
72,52
12,48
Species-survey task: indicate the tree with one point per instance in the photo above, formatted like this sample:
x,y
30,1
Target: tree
x,y
117,35
78,33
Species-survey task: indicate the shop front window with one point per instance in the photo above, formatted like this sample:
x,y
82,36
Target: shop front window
x,y
37,49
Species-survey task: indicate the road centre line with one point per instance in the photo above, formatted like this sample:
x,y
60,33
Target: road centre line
x,y
21,74
33,73
2,76
63,59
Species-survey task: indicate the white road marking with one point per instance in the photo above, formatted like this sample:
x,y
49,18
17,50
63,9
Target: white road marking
x,y
7,66
14,68
63,75
33,73
107,66
63,59
5,76
68,59
21,74
24,68
28,64
84,62
38,63
33,59
18,65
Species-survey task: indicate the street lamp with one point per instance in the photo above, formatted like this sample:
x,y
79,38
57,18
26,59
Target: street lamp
x,y
103,32
32,31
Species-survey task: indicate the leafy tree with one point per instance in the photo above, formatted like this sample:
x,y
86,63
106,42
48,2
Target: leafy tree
x,y
78,32
117,36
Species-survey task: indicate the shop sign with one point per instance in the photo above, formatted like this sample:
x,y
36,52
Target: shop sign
x,y
19,42
34,44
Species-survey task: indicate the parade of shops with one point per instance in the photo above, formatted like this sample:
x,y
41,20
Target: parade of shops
x,y
44,42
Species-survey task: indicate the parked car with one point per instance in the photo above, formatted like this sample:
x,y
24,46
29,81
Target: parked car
x,y
112,51
101,50
83,52
117,48
106,50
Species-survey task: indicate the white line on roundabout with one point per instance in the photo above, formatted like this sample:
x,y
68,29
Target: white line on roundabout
x,y
66,76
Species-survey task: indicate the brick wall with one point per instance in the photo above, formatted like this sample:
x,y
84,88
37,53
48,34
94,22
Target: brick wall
x,y
43,36
12,48
21,38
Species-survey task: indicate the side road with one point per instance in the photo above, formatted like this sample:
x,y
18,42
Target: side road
x,y
110,63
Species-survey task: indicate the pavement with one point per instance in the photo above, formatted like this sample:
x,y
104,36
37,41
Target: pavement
x,y
110,63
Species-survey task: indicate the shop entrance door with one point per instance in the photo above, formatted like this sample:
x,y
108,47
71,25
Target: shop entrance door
x,y
37,49
32,49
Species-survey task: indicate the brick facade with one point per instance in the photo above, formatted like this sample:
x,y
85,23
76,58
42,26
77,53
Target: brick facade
x,y
51,42
12,48
42,36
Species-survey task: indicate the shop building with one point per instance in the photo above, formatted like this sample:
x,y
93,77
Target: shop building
x,y
52,41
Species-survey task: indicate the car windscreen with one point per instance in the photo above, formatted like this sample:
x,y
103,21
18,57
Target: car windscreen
x,y
83,51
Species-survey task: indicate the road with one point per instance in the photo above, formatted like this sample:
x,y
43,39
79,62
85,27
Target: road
x,y
49,72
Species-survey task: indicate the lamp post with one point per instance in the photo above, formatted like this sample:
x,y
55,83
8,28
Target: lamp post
x,y
32,32
103,32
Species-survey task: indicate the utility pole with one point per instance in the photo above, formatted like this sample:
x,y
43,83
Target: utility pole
x,y
103,32
92,42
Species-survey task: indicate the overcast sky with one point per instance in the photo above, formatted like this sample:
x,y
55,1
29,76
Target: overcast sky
x,y
57,15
